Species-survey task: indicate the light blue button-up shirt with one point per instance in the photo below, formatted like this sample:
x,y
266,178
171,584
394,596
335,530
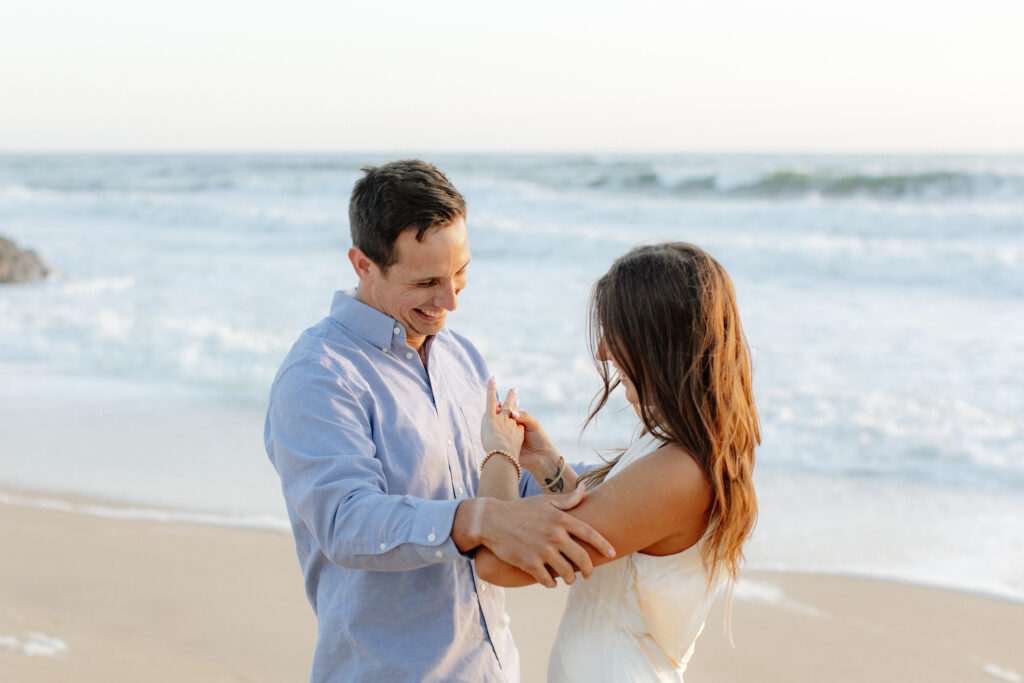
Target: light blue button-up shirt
x,y
375,452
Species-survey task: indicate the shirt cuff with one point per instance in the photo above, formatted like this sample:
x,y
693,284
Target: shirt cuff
x,y
432,530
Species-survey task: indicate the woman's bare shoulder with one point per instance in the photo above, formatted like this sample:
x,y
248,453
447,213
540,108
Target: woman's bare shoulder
x,y
675,469
686,491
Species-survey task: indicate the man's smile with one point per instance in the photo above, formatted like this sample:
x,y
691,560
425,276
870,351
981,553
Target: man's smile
x,y
431,315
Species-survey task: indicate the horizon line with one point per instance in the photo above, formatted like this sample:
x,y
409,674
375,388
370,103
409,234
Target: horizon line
x,y
511,152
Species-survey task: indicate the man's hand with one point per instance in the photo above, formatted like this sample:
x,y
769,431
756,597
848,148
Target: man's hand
x,y
530,534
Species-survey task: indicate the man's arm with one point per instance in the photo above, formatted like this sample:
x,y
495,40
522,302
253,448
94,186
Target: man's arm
x,y
531,534
318,438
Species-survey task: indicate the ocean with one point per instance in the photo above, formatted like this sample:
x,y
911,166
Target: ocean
x,y
882,295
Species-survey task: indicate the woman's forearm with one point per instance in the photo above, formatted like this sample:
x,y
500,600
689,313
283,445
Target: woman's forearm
x,y
499,478
555,475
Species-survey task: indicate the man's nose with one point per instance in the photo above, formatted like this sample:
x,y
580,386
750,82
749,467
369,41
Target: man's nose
x,y
448,297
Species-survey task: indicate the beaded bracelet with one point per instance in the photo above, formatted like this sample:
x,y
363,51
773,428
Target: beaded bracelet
x,y
508,456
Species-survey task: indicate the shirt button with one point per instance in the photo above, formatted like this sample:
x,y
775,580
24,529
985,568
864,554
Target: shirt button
x,y
461,490
384,349
483,586
408,354
431,538
383,546
438,554
449,442
398,330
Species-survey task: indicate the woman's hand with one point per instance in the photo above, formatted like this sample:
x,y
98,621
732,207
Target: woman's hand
x,y
538,454
498,431
534,450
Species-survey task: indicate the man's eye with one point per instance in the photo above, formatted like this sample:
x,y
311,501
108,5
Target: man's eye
x,y
425,284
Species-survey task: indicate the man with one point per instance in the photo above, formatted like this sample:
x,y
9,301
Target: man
x,y
373,427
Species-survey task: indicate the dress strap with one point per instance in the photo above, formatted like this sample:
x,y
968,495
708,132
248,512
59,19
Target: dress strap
x,y
639,448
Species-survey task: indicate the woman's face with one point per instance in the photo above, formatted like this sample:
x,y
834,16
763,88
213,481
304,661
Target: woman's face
x,y
604,354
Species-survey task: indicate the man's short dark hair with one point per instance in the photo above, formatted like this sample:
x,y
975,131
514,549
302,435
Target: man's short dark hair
x,y
399,196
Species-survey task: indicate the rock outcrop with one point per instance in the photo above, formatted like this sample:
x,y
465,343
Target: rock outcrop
x,y
20,266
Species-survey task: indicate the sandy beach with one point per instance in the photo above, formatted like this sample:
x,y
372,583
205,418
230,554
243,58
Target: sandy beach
x,y
87,597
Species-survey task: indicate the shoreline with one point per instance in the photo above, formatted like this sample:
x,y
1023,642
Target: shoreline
x,y
91,598
193,455
79,504
104,508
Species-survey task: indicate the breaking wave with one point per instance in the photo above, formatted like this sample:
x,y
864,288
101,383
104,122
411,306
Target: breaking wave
x,y
794,184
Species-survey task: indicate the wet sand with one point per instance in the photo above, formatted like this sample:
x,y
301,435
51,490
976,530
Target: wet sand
x,y
87,598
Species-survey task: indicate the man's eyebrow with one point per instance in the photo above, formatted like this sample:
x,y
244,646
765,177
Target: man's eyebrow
x,y
425,278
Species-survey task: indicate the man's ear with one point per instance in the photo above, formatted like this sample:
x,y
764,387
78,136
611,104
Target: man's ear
x,y
361,263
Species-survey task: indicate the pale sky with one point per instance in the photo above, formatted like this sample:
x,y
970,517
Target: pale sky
x,y
634,75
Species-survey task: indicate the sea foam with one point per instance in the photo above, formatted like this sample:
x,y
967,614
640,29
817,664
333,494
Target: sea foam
x,y
35,645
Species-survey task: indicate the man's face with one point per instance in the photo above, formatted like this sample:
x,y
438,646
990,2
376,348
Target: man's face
x,y
423,284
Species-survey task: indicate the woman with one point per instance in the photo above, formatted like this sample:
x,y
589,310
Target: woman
x,y
679,503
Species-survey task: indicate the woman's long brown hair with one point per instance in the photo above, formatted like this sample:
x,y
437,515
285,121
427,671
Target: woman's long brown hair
x,y
667,313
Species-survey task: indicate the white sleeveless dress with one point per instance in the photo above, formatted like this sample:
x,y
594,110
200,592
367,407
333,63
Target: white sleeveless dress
x,y
634,619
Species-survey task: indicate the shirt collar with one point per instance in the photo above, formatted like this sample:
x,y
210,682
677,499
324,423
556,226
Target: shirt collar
x,y
366,321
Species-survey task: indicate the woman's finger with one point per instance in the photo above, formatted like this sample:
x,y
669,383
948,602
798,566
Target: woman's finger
x,y
492,394
525,419
571,500
510,399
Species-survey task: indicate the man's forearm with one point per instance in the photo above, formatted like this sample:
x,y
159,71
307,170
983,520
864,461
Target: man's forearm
x,y
379,532
530,534
467,524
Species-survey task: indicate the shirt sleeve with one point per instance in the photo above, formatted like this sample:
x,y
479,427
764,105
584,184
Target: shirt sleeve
x,y
319,438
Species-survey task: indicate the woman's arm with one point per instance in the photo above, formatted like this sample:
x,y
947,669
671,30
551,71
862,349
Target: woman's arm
x,y
502,439
656,505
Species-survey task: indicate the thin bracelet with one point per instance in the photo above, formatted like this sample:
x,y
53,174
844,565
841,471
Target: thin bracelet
x,y
558,475
508,456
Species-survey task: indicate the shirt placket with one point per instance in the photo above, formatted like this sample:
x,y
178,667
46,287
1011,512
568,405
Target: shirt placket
x,y
492,604
448,413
